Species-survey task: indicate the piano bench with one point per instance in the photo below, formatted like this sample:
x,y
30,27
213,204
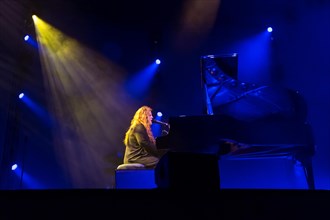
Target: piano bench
x,y
134,176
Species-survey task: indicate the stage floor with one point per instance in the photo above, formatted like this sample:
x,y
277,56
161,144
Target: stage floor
x,y
164,203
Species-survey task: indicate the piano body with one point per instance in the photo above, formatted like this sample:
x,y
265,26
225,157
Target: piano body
x,y
243,121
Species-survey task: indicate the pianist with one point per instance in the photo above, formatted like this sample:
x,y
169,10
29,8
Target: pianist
x,y
140,144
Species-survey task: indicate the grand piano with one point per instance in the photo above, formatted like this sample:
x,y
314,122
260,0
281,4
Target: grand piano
x,y
243,120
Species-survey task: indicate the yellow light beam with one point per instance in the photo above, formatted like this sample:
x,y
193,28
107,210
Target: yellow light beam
x,y
86,98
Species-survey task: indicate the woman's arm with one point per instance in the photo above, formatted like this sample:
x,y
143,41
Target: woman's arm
x,y
142,138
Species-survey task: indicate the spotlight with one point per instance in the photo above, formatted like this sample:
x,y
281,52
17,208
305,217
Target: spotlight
x,y
26,38
157,61
21,95
13,167
270,29
159,114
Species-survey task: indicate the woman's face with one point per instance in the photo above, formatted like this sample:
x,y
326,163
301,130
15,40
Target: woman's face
x,y
149,117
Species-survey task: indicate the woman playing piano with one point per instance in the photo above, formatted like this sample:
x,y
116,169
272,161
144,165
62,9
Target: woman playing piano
x,y
140,144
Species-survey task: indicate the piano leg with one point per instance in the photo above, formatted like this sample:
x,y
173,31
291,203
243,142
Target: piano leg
x,y
306,162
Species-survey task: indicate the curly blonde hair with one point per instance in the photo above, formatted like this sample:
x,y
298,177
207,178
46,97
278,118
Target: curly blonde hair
x,y
141,116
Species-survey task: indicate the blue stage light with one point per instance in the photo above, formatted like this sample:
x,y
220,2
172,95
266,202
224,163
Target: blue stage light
x,y
13,167
21,95
159,114
270,29
26,38
158,61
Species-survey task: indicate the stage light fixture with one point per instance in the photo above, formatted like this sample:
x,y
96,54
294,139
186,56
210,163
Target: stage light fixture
x,y
13,167
26,38
158,61
21,95
159,114
270,29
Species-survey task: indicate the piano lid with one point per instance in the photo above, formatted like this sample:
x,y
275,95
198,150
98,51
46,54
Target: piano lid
x,y
225,94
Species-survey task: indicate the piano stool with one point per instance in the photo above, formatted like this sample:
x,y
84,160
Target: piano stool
x,y
134,176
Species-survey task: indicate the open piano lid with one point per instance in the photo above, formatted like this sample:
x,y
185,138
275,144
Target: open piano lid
x,y
224,93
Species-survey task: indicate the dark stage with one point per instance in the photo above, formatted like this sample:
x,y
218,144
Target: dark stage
x,y
165,204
